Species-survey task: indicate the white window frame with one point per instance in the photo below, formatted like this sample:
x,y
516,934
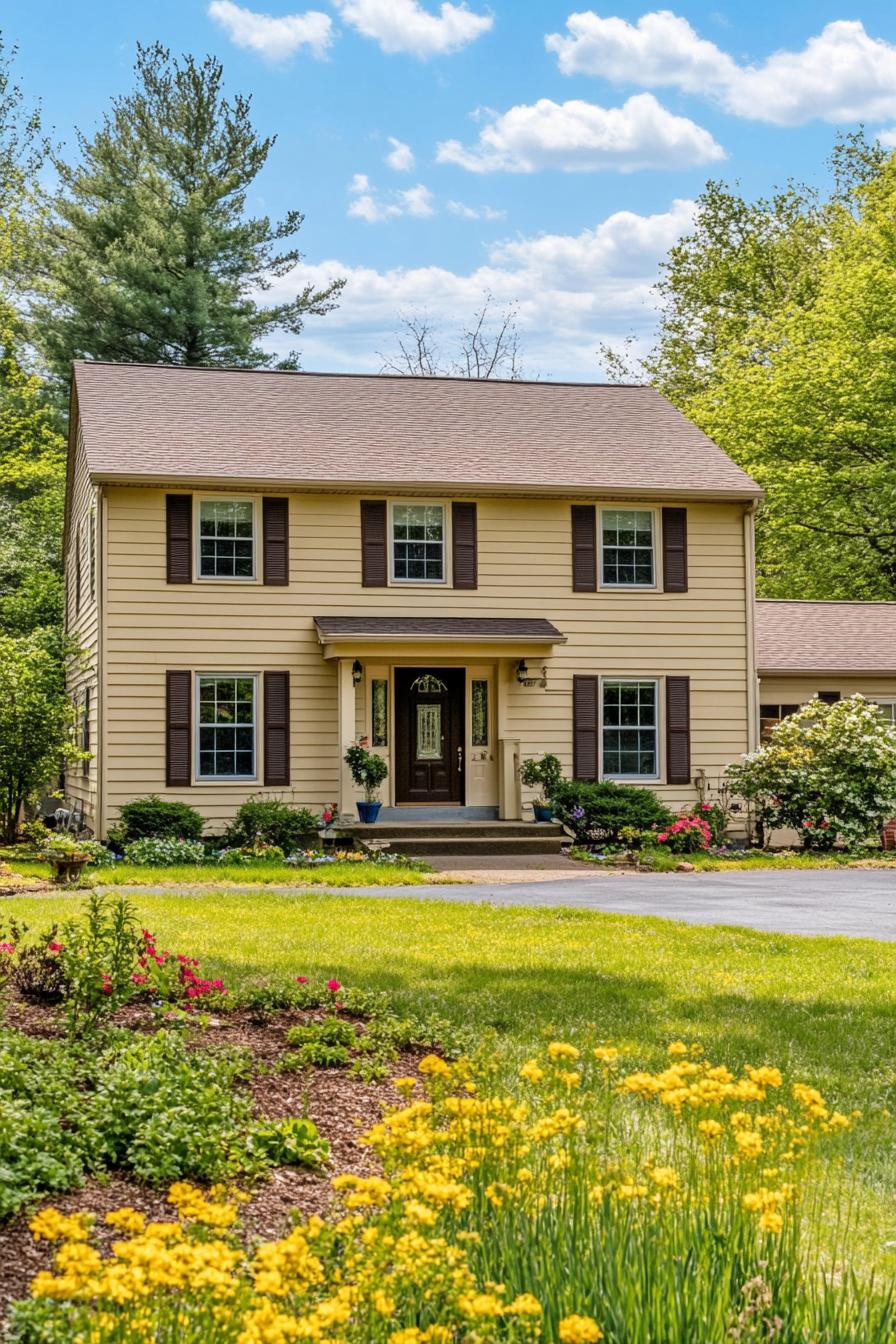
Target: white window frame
x,y
889,701
445,580
628,587
629,680
200,778
198,501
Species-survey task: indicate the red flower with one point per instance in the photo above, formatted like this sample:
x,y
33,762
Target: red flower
x,y
333,986
301,979
7,947
55,947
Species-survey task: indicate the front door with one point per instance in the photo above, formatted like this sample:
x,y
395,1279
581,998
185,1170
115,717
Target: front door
x,y
429,740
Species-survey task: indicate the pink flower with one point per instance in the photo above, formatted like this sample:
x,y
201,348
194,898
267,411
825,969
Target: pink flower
x,y
333,986
138,979
55,947
301,979
663,835
7,947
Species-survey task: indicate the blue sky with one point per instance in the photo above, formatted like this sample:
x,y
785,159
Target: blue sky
x,y
545,152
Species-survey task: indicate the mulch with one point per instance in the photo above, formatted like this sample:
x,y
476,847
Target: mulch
x,y
340,1104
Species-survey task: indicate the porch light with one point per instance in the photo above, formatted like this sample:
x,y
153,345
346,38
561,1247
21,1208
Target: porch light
x,y
525,676
357,672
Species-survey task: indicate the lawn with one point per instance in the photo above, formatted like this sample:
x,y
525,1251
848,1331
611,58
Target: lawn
x,y
822,1009
355,874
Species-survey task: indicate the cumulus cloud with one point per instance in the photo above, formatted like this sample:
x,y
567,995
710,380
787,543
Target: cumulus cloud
x,y
572,291
400,157
474,211
405,26
369,204
276,39
583,137
888,137
841,74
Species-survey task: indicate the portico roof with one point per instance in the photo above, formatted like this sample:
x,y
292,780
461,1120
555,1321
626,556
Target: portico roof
x,y
439,629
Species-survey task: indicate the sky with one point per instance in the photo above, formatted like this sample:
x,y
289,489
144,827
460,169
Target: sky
x,y
540,152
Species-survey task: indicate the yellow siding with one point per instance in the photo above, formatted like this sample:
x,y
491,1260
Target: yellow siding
x,y
82,622
524,570
799,689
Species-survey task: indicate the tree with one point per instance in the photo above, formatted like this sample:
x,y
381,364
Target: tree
x,y
152,257
485,347
827,771
815,419
36,723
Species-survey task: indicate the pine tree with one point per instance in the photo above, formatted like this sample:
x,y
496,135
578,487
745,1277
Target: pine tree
x,y
152,256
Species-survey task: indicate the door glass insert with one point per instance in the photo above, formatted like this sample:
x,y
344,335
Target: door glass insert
x,y
379,696
429,732
427,684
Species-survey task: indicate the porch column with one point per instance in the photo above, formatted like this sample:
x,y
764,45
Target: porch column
x,y
508,747
345,717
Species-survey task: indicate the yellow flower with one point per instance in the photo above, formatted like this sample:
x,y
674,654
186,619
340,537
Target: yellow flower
x,y
126,1220
677,1048
570,1078
562,1050
383,1304
579,1330
749,1143
532,1071
665,1177
710,1130
435,1066
51,1225
404,1085
524,1305
606,1054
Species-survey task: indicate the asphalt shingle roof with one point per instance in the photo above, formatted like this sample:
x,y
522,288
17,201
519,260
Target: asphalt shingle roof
x,y
156,423
533,628
826,637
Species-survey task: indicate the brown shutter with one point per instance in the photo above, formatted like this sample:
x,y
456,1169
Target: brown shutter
x,y
275,542
178,686
276,727
179,520
675,550
463,543
374,565
585,727
678,730
584,548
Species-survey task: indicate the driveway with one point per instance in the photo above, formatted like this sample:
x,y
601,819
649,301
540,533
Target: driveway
x,y
855,902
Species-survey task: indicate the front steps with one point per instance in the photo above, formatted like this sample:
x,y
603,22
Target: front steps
x,y
432,839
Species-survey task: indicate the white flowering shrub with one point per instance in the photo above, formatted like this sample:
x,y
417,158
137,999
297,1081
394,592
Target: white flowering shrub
x,y
164,852
828,771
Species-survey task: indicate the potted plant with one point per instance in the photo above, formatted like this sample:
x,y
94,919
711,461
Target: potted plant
x,y
544,775
66,856
368,772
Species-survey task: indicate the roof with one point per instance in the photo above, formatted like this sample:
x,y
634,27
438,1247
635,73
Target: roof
x,y
532,630
826,637
151,423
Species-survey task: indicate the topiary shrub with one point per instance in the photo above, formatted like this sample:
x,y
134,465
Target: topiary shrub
x,y
273,822
598,812
157,818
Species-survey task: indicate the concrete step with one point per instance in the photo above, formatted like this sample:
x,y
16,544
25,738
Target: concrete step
x,y
421,847
504,830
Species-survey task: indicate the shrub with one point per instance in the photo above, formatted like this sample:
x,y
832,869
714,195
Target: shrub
x,y
545,775
686,835
172,980
368,770
100,855
828,771
598,812
164,852
257,852
272,821
156,817
39,969
99,956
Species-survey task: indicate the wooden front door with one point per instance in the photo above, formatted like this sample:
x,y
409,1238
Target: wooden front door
x,y
429,739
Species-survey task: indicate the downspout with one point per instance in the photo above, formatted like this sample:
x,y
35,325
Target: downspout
x,y
750,611
100,544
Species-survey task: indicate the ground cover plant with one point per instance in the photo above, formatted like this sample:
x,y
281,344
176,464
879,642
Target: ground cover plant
x,y
359,870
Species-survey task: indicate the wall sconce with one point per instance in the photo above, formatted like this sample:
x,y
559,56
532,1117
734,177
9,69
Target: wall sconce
x,y
525,678
357,672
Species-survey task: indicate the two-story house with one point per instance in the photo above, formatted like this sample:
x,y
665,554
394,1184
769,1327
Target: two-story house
x,y
263,567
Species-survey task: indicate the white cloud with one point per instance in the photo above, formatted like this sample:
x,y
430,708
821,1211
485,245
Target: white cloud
x,y
583,137
474,211
276,39
405,26
400,156
572,292
841,74
888,137
373,206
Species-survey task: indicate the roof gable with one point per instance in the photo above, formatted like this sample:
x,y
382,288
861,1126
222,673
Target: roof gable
x,y
150,423
826,637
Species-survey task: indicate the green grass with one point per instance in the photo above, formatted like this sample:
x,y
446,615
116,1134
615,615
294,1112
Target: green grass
x,y
823,1009
260,874
664,862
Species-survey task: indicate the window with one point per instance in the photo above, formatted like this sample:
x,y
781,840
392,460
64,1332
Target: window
x,y
769,715
77,569
379,713
226,539
627,548
226,727
91,542
629,730
418,543
85,729
888,709
479,695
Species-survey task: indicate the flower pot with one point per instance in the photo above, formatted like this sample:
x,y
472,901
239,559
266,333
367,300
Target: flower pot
x,y
68,870
542,813
368,812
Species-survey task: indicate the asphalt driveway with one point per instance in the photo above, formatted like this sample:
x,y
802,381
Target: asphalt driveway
x,y
855,902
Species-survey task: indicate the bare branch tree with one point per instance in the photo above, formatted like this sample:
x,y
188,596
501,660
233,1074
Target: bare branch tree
x,y
487,346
